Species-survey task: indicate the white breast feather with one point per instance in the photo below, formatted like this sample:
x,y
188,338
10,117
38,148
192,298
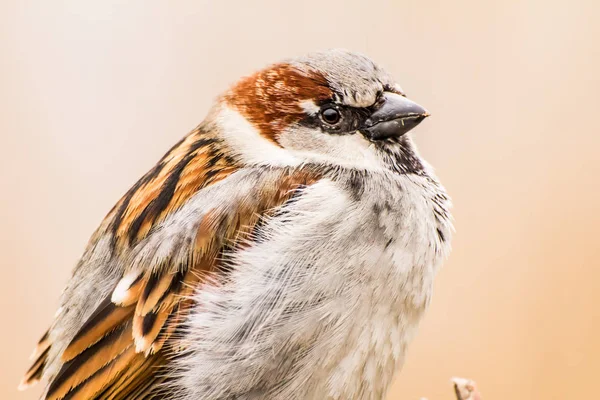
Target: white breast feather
x,y
325,303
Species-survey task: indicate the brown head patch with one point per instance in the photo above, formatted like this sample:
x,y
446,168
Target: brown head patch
x,y
271,99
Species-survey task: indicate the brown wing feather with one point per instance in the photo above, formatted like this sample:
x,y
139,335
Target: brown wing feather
x,y
40,357
107,317
85,365
119,349
157,287
103,377
136,383
42,346
115,352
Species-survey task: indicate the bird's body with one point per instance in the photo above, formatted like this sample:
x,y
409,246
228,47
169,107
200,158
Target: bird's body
x,y
351,303
276,252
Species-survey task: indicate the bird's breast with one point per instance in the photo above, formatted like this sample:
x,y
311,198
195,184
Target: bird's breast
x,y
324,305
406,221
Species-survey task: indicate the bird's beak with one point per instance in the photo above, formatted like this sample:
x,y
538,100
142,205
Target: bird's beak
x,y
394,117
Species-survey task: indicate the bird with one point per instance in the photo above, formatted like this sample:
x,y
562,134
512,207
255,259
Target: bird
x,y
285,248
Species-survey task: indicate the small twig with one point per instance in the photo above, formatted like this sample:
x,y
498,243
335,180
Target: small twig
x,y
465,389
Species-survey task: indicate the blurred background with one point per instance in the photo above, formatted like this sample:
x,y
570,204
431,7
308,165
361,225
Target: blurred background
x,y
92,93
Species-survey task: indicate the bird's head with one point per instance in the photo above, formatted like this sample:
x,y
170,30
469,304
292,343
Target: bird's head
x,y
335,107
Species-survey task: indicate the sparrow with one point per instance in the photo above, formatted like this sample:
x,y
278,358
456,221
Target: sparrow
x,y
284,249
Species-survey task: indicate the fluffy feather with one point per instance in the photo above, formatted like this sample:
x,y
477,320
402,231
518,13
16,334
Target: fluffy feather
x,y
266,255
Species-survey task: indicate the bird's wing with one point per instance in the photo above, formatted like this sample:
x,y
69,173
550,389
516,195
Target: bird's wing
x,y
130,292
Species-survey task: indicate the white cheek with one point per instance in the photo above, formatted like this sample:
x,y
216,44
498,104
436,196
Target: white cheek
x,y
300,144
252,147
313,145
354,149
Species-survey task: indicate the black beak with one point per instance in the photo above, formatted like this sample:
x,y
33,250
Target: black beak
x,y
396,116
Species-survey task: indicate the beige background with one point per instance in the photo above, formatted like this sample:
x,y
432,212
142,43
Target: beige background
x,y
92,94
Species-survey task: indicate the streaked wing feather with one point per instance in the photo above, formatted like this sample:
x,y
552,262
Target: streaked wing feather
x,y
119,348
34,373
107,317
87,364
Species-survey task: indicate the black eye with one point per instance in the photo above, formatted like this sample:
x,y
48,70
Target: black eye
x,y
331,116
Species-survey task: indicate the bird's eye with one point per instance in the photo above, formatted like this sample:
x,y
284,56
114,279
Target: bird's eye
x,y
331,116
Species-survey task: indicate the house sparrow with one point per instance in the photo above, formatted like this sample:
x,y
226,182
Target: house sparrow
x,y
284,249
